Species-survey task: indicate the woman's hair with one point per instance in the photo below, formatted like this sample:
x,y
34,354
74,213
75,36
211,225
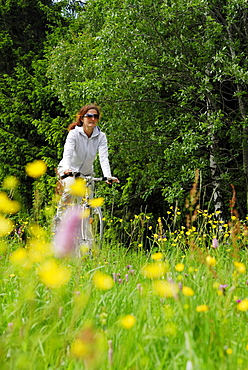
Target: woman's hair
x,y
81,113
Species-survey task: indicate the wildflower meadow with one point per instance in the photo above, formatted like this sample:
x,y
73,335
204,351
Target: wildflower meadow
x,y
181,302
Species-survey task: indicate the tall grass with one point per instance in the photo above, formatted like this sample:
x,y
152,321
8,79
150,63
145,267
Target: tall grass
x,y
130,322
182,303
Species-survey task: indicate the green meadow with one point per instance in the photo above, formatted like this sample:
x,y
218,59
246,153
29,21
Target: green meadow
x,y
180,304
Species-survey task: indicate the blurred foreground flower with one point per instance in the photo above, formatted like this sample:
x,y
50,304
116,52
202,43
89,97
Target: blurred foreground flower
x,y
202,308
211,261
89,346
7,205
96,202
155,270
38,250
179,267
6,226
102,281
78,187
187,291
240,267
67,233
19,257
157,256
166,289
243,305
53,275
36,169
37,231
128,321
10,182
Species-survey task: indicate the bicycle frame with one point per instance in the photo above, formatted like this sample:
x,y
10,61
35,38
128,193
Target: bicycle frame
x,y
91,230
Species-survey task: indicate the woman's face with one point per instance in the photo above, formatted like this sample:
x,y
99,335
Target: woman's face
x,y
91,118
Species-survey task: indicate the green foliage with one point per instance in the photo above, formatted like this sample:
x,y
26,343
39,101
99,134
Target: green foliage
x,y
163,74
171,78
28,106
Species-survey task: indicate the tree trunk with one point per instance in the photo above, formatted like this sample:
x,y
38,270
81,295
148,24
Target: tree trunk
x,y
218,201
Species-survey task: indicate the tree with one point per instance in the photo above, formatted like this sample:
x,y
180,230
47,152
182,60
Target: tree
x,y
171,77
25,96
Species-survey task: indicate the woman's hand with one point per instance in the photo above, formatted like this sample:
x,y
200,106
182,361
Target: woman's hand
x,y
66,172
110,182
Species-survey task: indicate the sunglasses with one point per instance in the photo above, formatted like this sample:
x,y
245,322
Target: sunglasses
x,y
91,115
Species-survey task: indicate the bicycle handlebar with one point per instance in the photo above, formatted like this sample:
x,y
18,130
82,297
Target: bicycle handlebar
x,y
78,174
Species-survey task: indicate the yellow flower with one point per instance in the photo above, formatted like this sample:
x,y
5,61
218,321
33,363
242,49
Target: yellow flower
x,y
19,256
187,291
128,321
36,231
211,261
97,202
10,182
179,267
6,226
202,308
36,169
80,348
157,256
89,346
38,250
243,305
52,275
165,288
240,267
78,187
155,270
102,281
229,351
7,205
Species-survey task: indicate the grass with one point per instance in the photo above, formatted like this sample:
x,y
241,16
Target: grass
x,y
112,314
180,304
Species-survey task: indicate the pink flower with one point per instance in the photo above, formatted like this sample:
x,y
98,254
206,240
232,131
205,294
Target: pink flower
x,y
67,233
215,243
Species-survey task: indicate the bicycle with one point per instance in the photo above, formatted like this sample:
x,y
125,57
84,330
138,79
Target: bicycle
x,y
91,227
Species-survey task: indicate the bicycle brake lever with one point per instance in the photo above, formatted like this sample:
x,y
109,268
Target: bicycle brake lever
x,y
66,175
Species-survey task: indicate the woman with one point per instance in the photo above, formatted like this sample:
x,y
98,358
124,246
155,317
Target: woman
x,y
83,142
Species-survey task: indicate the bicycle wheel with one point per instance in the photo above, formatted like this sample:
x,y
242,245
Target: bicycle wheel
x,y
92,228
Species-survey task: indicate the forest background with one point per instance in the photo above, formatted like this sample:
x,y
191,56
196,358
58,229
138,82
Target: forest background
x,y
170,76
